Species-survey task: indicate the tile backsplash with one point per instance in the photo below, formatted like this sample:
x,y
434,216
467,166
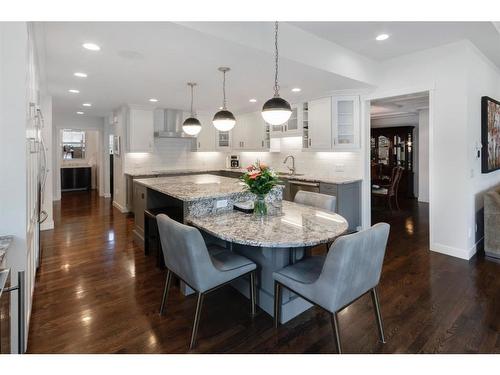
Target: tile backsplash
x,y
175,153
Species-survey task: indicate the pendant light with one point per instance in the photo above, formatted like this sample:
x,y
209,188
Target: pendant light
x,y
224,120
191,125
276,111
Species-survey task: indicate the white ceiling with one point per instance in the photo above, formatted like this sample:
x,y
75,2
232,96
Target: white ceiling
x,y
142,60
398,110
406,37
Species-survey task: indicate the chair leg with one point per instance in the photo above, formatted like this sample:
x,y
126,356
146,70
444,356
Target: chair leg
x,y
397,201
389,201
252,293
378,315
196,322
277,304
336,331
165,292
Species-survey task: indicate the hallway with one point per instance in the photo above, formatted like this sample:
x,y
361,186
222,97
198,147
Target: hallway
x,y
96,292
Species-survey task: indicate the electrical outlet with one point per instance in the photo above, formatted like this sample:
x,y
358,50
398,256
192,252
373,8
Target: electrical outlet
x,y
339,167
221,203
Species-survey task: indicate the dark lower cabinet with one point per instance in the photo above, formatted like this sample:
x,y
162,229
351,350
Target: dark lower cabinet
x,y
76,178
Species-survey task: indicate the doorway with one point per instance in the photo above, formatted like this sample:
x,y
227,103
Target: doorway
x,y
399,160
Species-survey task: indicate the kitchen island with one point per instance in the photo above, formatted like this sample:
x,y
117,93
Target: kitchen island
x,y
189,195
275,241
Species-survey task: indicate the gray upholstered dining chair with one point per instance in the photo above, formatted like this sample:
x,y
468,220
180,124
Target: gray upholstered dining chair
x,y
203,270
351,269
318,200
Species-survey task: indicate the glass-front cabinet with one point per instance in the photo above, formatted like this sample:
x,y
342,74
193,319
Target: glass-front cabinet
x,y
345,122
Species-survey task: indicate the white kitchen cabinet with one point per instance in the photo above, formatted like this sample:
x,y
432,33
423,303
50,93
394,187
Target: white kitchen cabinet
x,y
140,130
346,122
320,124
291,128
205,140
239,133
253,133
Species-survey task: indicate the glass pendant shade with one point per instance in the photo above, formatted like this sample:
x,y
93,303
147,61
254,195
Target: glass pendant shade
x,y
191,126
276,111
224,120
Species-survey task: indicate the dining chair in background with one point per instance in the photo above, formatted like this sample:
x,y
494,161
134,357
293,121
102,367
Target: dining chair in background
x,y
351,269
318,200
202,269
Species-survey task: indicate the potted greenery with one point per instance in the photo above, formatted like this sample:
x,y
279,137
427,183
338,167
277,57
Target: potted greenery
x,y
260,179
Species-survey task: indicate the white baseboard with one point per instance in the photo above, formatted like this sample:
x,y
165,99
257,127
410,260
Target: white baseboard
x,y
47,225
122,209
454,251
107,195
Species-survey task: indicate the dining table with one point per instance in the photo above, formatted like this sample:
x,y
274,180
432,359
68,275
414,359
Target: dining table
x,y
272,241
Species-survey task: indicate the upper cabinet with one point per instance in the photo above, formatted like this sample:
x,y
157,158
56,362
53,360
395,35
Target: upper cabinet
x,y
140,129
205,141
291,128
250,133
346,122
320,124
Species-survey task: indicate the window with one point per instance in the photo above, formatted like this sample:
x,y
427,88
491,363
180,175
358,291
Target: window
x,y
73,143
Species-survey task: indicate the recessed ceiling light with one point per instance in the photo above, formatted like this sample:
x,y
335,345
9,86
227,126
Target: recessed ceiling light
x,y
80,113
80,74
253,100
296,89
382,37
87,104
153,100
91,46
74,91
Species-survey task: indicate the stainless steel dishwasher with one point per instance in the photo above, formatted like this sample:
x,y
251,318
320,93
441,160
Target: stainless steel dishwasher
x,y
296,186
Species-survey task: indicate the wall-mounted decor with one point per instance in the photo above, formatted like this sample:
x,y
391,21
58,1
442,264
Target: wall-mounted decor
x,y
116,145
490,134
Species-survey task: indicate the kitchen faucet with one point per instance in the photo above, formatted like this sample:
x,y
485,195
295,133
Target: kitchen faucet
x,y
292,168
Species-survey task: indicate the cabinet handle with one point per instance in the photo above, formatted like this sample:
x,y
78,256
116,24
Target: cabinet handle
x,y
199,144
285,127
309,142
262,143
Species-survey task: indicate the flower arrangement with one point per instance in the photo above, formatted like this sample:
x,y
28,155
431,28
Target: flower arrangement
x,y
260,179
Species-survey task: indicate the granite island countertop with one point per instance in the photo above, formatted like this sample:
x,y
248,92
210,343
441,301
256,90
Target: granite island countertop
x,y
196,187
5,242
296,226
338,180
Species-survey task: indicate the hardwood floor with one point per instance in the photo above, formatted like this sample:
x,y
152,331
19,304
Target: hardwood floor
x,y
96,292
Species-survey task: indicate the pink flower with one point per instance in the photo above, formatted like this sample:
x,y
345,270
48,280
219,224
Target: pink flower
x,y
254,174
250,168
263,166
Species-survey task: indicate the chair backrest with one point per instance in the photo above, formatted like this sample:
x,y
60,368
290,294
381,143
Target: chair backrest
x,y
184,251
397,173
318,200
352,267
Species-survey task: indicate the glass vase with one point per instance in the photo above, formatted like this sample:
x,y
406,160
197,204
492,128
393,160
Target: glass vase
x,y
260,206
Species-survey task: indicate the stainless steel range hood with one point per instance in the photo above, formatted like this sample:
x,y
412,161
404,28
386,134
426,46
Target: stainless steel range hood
x,y
168,123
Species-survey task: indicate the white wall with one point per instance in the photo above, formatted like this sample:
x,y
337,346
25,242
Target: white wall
x,y
443,71
423,155
457,76
483,79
